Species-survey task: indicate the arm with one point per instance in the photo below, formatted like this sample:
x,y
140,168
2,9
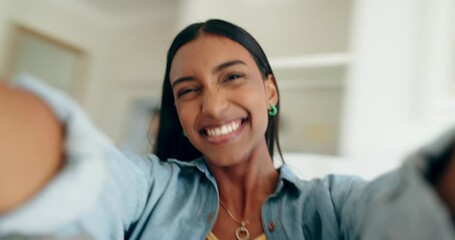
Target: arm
x,y
413,202
31,143
94,190
445,184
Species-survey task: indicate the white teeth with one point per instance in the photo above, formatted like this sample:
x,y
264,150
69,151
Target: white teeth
x,y
223,130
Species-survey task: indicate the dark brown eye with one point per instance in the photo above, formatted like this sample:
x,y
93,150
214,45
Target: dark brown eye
x,y
232,77
187,91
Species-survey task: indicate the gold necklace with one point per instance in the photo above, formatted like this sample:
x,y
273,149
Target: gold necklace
x,y
241,233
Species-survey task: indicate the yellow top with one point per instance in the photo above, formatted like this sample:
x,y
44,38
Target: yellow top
x,y
212,236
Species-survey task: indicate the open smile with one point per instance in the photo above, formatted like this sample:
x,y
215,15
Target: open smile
x,y
225,132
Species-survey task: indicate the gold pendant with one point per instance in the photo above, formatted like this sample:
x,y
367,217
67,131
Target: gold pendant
x,y
242,233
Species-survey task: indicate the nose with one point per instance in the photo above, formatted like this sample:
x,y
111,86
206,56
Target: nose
x,y
214,103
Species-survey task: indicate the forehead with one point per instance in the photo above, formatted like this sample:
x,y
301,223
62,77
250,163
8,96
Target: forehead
x,y
206,52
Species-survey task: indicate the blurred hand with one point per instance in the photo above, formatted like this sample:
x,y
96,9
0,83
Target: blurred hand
x,y
31,146
446,184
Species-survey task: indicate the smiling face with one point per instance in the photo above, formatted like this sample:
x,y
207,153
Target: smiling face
x,y
221,99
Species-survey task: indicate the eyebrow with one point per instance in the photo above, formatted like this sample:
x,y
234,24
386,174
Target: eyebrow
x,y
183,79
226,65
214,71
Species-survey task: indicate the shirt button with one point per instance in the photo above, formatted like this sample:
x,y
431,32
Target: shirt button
x,y
272,226
209,217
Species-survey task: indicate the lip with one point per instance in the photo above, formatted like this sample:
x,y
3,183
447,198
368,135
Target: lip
x,y
226,137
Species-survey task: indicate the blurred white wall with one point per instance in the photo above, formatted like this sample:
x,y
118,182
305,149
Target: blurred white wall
x,y
4,9
402,64
60,68
59,22
283,28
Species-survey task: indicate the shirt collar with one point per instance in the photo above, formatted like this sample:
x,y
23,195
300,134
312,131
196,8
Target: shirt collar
x,y
286,175
288,179
199,163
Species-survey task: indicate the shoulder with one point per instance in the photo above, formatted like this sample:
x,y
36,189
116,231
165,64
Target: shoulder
x,y
332,190
330,183
402,202
150,169
313,206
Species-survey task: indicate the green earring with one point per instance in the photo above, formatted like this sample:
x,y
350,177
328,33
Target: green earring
x,y
273,110
184,133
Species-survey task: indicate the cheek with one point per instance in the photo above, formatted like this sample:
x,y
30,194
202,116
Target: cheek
x,y
186,116
256,102
256,98
261,117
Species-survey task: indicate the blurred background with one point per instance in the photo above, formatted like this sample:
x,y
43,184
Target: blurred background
x,y
363,82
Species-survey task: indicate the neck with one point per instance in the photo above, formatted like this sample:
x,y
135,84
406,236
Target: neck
x,y
244,187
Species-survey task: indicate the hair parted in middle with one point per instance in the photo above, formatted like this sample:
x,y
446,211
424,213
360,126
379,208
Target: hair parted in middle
x,y
170,142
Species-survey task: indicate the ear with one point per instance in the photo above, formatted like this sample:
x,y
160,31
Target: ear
x,y
271,90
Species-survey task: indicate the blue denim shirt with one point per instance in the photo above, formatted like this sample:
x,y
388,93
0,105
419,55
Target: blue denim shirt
x,y
105,194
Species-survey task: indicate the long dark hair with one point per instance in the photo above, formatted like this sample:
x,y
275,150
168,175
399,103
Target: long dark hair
x,y
170,141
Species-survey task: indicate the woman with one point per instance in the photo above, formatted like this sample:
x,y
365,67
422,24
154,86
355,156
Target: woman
x,y
220,107
221,98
